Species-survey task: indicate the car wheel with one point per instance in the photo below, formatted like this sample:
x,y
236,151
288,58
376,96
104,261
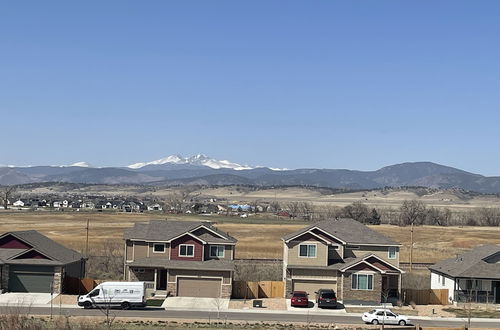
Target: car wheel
x,y
375,321
125,305
402,322
87,305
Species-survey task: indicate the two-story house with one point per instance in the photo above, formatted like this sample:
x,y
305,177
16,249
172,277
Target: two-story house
x,y
360,264
180,258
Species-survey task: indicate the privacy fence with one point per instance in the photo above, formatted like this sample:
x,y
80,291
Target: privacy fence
x,y
261,289
426,297
74,285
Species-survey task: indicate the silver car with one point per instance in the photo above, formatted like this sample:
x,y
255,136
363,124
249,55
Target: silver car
x,y
384,316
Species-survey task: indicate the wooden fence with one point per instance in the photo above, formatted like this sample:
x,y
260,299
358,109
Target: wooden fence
x,y
426,297
262,289
74,285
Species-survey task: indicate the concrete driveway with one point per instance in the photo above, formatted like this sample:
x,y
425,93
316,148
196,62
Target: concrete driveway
x,y
314,308
184,303
25,299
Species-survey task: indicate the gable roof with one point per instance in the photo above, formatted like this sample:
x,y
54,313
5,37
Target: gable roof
x,y
42,244
166,230
347,230
471,264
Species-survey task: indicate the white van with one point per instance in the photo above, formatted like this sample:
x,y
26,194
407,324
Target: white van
x,y
113,294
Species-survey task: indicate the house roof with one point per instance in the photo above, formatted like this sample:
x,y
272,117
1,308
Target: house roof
x,y
344,265
472,264
347,230
166,230
214,264
41,243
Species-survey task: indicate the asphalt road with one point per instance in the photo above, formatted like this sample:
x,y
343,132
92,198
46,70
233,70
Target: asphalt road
x,y
158,313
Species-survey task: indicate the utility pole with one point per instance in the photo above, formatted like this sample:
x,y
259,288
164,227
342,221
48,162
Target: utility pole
x,y
411,246
87,245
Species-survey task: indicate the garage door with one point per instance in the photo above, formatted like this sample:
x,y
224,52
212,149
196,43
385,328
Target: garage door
x,y
30,278
313,286
198,287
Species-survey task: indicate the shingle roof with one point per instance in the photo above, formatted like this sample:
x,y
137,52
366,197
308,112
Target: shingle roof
x,y
214,264
471,264
349,231
47,246
53,250
165,230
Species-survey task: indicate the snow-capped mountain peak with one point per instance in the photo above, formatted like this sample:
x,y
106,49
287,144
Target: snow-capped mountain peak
x,y
199,160
81,164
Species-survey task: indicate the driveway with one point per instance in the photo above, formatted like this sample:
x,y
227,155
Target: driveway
x,y
25,299
213,304
314,308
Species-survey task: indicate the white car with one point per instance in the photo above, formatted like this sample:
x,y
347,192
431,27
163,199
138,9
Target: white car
x,y
384,316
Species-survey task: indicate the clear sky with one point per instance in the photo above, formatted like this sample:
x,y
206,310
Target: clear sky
x,y
328,84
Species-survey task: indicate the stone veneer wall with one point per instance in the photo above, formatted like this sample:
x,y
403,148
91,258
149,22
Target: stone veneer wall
x,y
57,282
362,295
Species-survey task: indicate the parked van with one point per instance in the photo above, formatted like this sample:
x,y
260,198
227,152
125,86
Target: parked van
x,y
115,294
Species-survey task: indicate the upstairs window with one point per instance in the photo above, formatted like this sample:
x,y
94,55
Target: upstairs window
x,y
392,252
159,248
217,251
307,250
186,250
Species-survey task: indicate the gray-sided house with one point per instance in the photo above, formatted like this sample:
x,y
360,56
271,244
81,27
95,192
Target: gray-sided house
x,y
360,264
31,262
180,258
473,276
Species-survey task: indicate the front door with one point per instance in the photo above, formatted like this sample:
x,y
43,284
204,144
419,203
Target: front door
x,y
161,279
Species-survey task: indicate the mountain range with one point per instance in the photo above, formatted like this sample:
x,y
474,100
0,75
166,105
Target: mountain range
x,y
203,170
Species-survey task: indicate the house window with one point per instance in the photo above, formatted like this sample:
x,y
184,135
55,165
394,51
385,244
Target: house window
x,y
392,252
362,282
159,248
307,250
217,251
186,250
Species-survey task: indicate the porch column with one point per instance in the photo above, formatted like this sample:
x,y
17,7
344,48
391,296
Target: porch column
x,y
156,274
400,280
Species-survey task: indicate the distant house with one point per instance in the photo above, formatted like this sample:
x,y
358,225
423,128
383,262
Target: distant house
x,y
18,203
31,262
472,276
87,205
56,204
155,207
240,207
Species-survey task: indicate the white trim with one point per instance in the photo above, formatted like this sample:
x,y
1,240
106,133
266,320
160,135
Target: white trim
x,y
311,229
186,233
315,250
359,262
210,230
218,246
160,244
186,256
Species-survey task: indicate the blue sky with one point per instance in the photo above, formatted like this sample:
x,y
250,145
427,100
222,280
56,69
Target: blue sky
x,y
328,84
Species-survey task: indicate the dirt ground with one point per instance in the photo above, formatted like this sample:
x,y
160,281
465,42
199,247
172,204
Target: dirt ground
x,y
65,299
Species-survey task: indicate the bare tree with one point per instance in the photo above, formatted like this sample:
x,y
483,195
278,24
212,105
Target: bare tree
x,y
412,212
6,193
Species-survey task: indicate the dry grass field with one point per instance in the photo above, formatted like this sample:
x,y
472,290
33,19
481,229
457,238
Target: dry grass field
x,y
259,240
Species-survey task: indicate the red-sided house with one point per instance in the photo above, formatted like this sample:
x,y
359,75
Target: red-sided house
x,y
31,262
180,258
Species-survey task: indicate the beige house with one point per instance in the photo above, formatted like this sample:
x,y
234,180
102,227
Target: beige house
x,y
360,264
180,258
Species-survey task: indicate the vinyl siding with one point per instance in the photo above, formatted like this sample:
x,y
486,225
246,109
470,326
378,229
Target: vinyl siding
x,y
380,251
321,252
186,239
140,250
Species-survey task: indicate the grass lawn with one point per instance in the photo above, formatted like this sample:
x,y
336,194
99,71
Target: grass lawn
x,y
154,302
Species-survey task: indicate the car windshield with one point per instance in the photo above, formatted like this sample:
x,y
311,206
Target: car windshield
x,y
298,294
372,311
328,295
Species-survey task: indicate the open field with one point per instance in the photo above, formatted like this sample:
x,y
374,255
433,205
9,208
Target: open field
x,y
431,243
